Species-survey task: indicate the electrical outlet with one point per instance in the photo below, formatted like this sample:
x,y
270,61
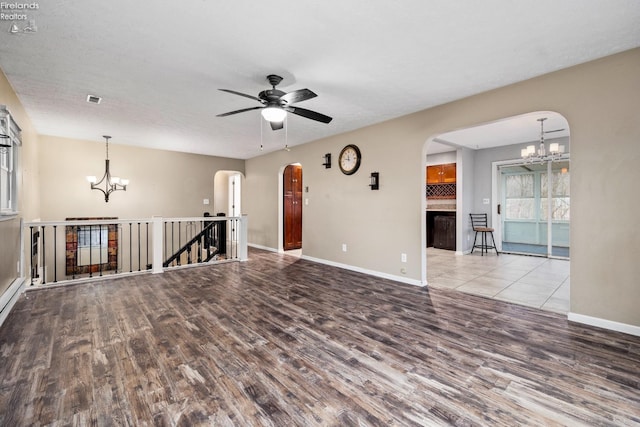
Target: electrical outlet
x,y
205,201
344,247
403,257
486,201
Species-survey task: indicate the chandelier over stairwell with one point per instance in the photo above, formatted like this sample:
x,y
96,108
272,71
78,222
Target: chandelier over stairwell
x,y
111,183
531,155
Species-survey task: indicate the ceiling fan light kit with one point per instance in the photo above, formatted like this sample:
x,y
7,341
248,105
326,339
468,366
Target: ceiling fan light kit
x,y
273,114
276,104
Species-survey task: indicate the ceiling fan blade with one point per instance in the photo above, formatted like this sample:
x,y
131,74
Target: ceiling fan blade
x,y
243,94
309,114
555,130
277,125
298,96
238,111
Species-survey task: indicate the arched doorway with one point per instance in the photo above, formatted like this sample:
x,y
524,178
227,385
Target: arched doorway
x,y
292,207
531,213
227,193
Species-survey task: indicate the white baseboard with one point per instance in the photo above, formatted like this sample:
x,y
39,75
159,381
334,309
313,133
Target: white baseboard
x,y
264,248
605,324
365,271
348,267
10,296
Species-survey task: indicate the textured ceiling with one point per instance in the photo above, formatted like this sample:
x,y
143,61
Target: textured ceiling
x,y
158,64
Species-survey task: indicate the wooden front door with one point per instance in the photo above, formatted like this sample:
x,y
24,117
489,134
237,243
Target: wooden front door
x,y
292,207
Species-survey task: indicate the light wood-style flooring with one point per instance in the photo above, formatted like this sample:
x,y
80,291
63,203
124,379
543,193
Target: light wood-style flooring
x,y
281,341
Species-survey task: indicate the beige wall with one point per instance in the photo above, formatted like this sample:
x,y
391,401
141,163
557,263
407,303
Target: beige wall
x,y
28,205
600,100
163,183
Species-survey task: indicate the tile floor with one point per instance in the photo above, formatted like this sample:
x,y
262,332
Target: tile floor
x,y
526,280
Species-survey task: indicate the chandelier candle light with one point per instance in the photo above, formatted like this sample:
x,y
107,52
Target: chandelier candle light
x,y
555,150
111,183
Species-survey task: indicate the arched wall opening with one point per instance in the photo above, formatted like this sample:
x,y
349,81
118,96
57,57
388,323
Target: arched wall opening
x,y
478,151
227,193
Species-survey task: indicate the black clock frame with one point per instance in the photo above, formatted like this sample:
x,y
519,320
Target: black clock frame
x,y
358,159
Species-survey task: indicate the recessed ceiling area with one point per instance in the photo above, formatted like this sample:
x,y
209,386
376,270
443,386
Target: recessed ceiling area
x,y
158,65
508,131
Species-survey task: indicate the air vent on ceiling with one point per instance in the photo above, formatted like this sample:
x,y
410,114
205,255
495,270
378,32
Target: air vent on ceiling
x,y
94,99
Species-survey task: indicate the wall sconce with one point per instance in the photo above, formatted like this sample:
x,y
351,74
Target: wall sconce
x,y
327,161
375,181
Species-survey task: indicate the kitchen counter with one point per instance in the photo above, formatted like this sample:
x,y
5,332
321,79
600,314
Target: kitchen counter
x,y
441,207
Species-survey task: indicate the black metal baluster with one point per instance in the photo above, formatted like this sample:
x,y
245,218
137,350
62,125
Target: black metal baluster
x,y
31,252
55,256
233,238
75,231
139,248
118,231
207,242
237,238
147,237
130,248
100,248
179,238
90,251
44,257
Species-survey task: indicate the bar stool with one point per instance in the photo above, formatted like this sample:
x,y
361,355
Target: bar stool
x,y
479,225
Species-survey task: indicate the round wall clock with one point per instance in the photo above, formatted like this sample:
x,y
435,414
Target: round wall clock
x,y
349,160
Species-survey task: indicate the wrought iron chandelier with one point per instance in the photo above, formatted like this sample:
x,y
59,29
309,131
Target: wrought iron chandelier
x,y
531,155
111,183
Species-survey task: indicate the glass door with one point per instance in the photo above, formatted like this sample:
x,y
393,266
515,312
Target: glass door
x,y
555,186
534,196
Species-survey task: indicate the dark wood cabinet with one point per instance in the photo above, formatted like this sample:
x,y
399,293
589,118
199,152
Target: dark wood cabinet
x,y
441,230
444,232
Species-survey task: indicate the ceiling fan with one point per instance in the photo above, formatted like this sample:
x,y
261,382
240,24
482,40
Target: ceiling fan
x,y
276,104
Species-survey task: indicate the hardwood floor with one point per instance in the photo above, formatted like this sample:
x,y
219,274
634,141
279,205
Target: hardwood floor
x,y
279,341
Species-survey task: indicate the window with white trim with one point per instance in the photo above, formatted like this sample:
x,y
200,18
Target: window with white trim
x,y
9,156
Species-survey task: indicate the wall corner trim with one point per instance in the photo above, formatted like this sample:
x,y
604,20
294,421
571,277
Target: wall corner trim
x,y
604,323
